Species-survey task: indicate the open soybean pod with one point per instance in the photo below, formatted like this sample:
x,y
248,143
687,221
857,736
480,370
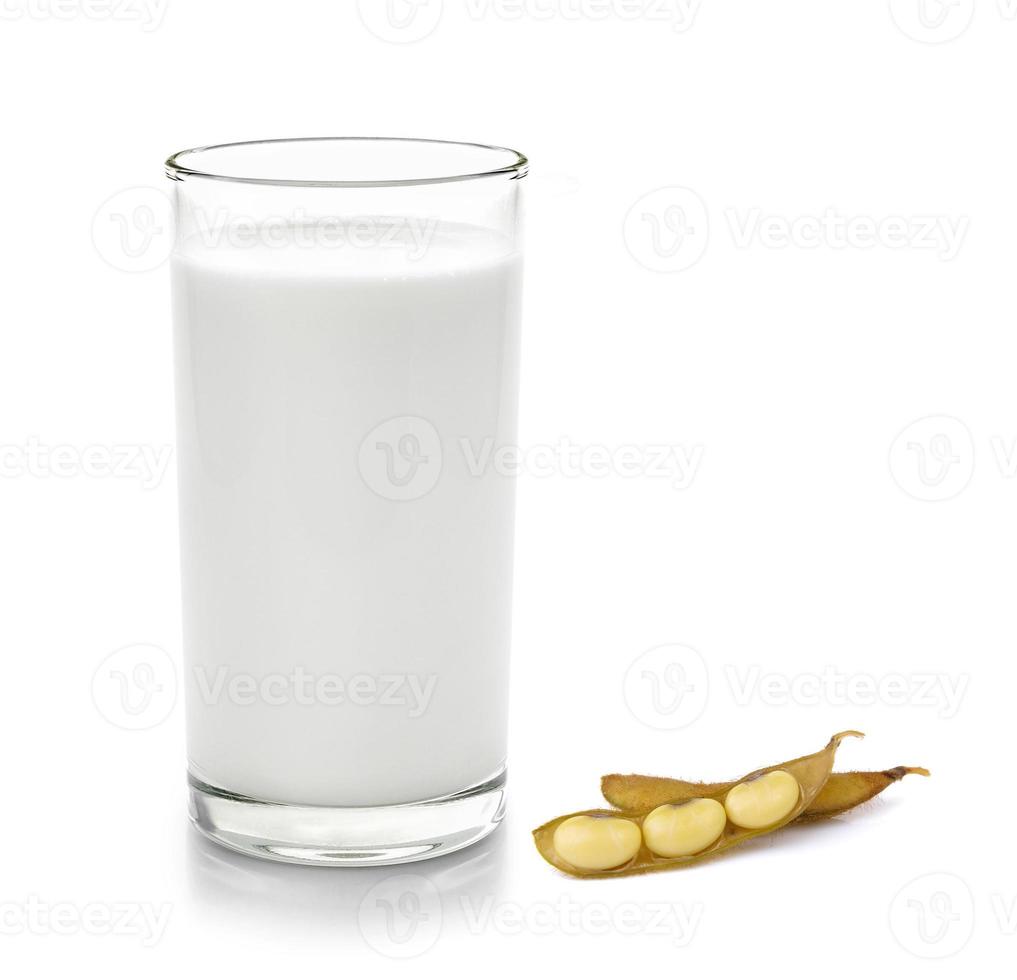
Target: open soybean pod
x,y
843,790
612,843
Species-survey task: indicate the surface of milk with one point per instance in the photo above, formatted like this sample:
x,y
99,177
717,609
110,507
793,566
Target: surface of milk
x,y
346,564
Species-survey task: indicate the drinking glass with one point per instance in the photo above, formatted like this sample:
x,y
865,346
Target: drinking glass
x,y
346,332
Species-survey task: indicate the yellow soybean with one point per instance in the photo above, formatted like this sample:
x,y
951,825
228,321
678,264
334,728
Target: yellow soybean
x,y
597,843
679,829
763,801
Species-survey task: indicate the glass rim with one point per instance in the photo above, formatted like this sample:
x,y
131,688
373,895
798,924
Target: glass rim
x,y
177,169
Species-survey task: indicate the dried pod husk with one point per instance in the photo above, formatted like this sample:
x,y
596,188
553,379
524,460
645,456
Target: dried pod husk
x,y
846,790
634,791
843,790
811,773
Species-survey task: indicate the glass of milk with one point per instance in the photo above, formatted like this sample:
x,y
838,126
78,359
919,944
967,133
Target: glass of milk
x,y
346,323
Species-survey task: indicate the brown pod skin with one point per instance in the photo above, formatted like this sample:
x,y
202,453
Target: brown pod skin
x,y
810,771
843,790
846,790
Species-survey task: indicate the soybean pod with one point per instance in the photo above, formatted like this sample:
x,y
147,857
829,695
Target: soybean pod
x,y
846,790
843,790
613,843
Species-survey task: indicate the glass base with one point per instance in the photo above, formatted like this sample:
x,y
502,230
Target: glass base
x,y
351,837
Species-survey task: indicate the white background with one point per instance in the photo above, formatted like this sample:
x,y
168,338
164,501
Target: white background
x,y
794,319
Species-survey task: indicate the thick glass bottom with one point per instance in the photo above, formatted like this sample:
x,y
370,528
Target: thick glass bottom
x,y
348,836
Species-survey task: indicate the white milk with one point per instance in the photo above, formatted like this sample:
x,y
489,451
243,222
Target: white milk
x,y
344,648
